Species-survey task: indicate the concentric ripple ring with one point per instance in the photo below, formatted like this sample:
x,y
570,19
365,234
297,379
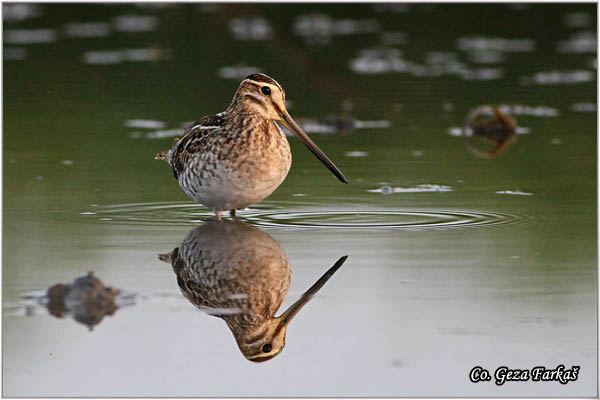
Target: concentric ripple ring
x,y
285,215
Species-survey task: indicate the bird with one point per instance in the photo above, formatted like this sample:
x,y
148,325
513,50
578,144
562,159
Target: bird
x,y
238,157
232,270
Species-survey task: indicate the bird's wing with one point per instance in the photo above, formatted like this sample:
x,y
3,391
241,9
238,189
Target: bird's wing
x,y
193,140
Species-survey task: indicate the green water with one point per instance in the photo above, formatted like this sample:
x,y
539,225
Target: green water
x,y
437,281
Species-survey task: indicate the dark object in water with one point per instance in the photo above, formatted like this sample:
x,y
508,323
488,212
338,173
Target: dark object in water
x,y
86,299
499,130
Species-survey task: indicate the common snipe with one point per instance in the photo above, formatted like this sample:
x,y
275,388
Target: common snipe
x,y
236,272
239,156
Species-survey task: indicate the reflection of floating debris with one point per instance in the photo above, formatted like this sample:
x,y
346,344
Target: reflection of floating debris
x,y
458,131
386,60
159,134
498,130
319,28
87,29
482,43
559,77
337,124
20,11
251,28
107,57
582,42
356,154
237,71
144,123
583,107
14,53
86,299
135,23
514,192
29,36
417,189
534,111
577,20
537,111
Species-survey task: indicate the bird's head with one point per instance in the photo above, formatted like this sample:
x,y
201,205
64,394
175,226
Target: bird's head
x,y
262,95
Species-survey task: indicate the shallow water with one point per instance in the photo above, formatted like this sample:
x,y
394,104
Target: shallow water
x,y
454,261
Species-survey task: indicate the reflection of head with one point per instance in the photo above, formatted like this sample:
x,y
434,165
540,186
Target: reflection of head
x,y
240,274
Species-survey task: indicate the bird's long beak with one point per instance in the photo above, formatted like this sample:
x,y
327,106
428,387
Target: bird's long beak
x,y
293,127
291,312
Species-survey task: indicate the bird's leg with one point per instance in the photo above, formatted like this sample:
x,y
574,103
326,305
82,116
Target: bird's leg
x,y
232,213
218,215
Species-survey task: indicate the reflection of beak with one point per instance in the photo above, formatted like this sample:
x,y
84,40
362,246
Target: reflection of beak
x,y
291,125
291,312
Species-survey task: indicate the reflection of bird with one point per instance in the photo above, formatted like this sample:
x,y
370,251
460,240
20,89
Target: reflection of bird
x,y
240,156
236,272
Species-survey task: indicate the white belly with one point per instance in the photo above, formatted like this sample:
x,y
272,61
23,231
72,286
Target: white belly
x,y
230,184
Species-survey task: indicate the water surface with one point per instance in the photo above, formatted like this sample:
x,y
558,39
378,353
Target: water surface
x,y
454,260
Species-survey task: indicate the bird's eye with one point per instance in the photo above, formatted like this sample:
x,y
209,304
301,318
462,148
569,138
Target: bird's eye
x,y
265,90
266,348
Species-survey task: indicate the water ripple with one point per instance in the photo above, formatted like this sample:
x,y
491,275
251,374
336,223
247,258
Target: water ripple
x,y
291,215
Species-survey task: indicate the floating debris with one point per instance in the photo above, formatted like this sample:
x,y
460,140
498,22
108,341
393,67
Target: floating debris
x,y
533,111
514,192
29,36
584,107
582,42
356,154
86,299
108,57
555,141
481,43
417,153
319,28
497,130
417,189
559,77
67,162
386,60
158,134
135,23
237,72
145,123
334,124
251,28
87,29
